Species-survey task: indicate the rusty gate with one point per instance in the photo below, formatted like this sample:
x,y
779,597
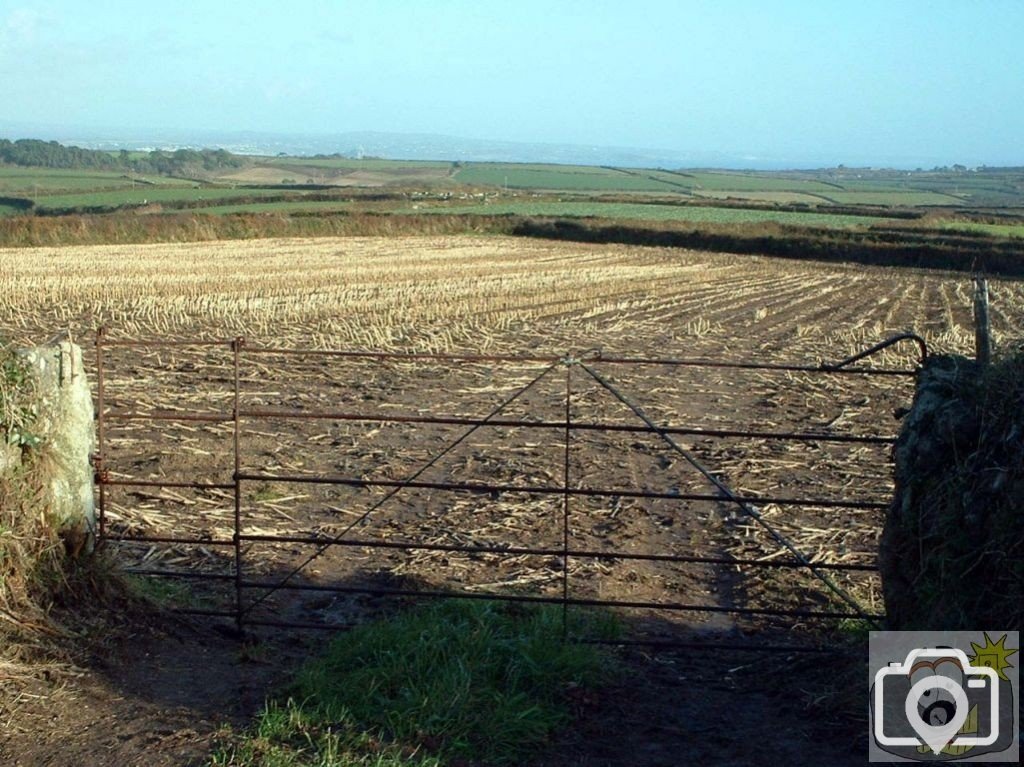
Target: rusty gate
x,y
575,511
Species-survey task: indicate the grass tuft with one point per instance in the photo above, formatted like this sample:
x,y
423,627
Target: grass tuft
x,y
462,681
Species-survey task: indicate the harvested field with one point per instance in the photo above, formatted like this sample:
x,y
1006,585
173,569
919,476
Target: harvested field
x,y
347,175
496,295
493,295
446,293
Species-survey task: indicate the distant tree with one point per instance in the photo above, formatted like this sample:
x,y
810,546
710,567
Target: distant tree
x,y
50,154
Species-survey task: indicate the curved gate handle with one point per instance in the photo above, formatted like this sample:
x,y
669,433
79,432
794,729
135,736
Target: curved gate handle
x,y
921,345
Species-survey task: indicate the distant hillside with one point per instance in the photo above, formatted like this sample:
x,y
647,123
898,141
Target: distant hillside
x,y
34,153
404,146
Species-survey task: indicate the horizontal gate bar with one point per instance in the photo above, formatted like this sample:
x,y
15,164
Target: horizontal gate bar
x,y
191,574
572,601
143,344
710,644
672,644
164,483
125,415
299,625
165,415
546,359
574,553
494,488
166,539
781,367
527,358
480,487
203,611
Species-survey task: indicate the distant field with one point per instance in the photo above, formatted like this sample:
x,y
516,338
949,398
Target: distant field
x,y
352,164
338,172
55,190
7,210
780,197
757,182
560,177
895,198
293,206
651,212
1003,230
32,181
143,195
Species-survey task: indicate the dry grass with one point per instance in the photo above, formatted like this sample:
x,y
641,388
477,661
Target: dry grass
x,y
31,553
29,547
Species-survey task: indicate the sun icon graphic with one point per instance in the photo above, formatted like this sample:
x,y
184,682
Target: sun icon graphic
x,y
993,655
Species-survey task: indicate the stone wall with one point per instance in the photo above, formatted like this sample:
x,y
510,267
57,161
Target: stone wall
x,y
951,551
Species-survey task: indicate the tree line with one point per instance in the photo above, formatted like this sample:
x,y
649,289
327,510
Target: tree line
x,y
34,153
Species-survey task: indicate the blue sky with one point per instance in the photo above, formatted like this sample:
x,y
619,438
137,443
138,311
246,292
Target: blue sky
x,y
824,81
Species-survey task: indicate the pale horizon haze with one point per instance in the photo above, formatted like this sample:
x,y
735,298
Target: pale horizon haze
x,y
899,83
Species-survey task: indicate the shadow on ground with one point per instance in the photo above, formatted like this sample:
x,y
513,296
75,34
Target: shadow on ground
x,y
155,695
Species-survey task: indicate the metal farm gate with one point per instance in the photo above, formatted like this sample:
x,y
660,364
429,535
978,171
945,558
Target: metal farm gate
x,y
295,487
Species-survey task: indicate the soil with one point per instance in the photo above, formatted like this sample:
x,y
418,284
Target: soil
x,y
172,690
155,697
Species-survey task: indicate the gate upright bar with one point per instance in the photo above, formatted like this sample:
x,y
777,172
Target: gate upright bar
x,y
236,349
565,501
97,459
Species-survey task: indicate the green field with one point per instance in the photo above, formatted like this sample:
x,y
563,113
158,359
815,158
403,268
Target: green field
x,y
1001,230
29,182
757,182
486,188
652,212
784,198
560,177
144,195
291,206
892,198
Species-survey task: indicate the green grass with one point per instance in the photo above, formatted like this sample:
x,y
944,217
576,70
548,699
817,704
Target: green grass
x,y
32,181
1001,230
453,682
163,592
138,196
765,196
651,212
897,198
756,182
8,210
